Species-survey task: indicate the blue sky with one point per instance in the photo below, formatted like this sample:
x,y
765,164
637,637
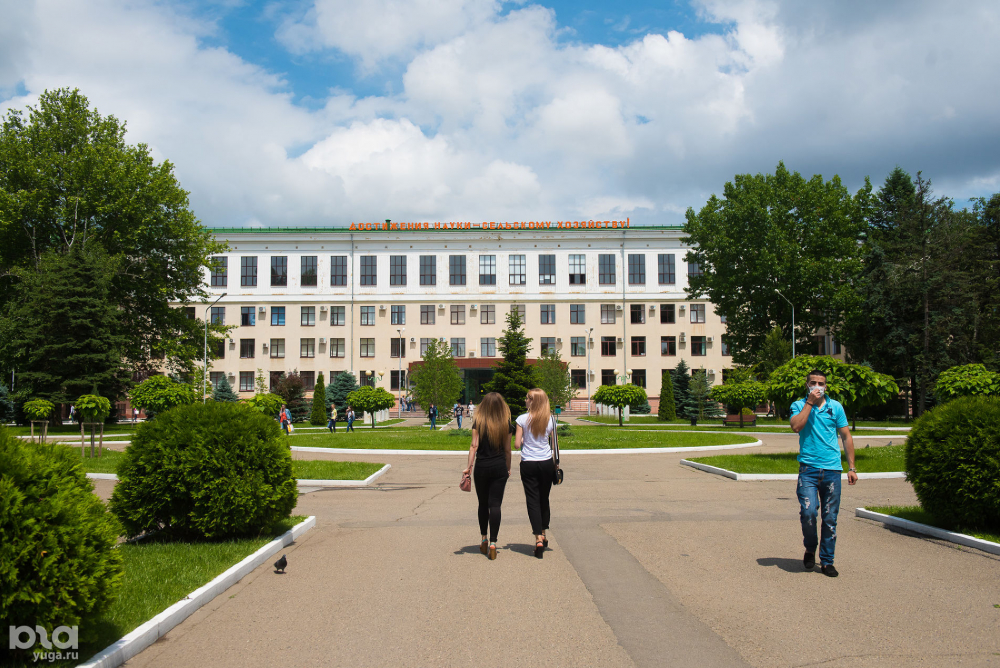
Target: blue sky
x,y
320,112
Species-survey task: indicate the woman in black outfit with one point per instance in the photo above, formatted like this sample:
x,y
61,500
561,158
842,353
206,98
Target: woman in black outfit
x,y
490,452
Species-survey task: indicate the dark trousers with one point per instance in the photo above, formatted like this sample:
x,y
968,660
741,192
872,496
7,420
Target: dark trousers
x,y
491,481
537,478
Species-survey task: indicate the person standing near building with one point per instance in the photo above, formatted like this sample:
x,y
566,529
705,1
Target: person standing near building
x,y
432,413
490,453
818,420
458,414
331,424
538,468
285,418
350,418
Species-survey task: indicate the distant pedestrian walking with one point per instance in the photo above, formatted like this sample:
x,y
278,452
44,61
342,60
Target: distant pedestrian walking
x,y
350,419
538,468
458,414
135,415
331,424
818,420
432,413
285,418
489,452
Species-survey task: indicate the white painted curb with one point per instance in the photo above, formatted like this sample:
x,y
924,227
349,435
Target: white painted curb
x,y
301,482
779,476
145,635
934,532
465,453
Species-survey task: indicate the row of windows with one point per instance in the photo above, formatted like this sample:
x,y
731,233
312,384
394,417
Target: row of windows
x,y
457,275
487,314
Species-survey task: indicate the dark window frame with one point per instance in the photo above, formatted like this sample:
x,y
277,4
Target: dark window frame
x,y
666,269
369,269
248,271
546,269
220,271
279,271
428,270
338,270
309,271
637,269
397,270
457,273
606,268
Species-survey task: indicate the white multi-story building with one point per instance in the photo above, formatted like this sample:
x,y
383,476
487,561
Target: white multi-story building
x,y
608,298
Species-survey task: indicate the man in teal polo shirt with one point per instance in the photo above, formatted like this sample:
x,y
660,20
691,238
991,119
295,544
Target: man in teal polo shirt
x,y
817,420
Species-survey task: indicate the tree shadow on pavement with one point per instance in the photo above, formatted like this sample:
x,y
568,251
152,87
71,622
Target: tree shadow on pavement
x,y
787,565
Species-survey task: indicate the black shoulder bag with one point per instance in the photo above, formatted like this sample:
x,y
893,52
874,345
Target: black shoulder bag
x,y
554,444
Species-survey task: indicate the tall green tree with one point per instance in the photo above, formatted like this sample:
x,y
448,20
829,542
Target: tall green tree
x,y
776,231
320,411
775,351
702,404
292,390
224,391
513,377
68,178
619,396
371,400
340,386
667,409
437,379
554,377
682,397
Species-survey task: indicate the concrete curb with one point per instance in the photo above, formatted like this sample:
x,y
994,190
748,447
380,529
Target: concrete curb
x,y
146,634
778,476
301,482
517,453
934,532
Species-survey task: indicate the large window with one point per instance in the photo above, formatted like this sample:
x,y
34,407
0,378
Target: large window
x,y
397,270
246,381
367,347
215,377
337,348
577,314
308,318
220,349
698,346
665,269
608,346
608,377
428,270
308,380
423,345
277,348
247,316
456,270
218,315
397,314
639,377
458,347
606,269
338,270
725,347
578,269
427,314
397,347
309,269
248,272
579,378
487,270
369,270
694,270
637,313
279,271
522,311
338,315
247,348
636,269
458,314
548,314
368,316
487,347
667,316
546,269
394,377
638,346
668,346
307,347
518,270
607,314
548,345
220,271
697,313
578,346
488,314
278,316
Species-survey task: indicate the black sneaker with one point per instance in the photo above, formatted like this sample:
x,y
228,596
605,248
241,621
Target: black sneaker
x,y
809,560
829,571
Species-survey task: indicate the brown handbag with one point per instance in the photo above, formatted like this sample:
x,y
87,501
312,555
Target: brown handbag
x,y
466,484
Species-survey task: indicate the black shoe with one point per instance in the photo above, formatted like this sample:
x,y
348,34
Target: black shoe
x,y
829,571
809,560
539,549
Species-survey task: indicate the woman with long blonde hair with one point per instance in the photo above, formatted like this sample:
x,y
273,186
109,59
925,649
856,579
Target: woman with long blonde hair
x,y
490,452
538,470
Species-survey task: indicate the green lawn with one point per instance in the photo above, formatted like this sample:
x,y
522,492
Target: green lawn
x,y
67,429
716,425
157,574
868,460
582,438
306,427
918,514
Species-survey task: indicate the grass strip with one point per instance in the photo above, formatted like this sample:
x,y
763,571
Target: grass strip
x,y
652,419
867,460
918,514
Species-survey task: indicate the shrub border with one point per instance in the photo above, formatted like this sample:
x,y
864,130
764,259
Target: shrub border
x,y
149,632
301,482
934,532
739,477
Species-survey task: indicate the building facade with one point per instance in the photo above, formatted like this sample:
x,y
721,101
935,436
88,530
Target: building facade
x,y
609,300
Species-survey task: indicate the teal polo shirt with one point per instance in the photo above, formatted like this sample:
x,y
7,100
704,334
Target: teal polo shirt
x,y
818,445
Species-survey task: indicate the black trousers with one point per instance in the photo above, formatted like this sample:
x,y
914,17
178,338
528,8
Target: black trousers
x,y
491,481
537,478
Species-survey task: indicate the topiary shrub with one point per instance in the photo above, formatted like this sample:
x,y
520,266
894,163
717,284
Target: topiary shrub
x,y
160,393
953,461
210,470
57,562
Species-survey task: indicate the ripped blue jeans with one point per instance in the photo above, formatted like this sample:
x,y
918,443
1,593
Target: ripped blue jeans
x,y
819,498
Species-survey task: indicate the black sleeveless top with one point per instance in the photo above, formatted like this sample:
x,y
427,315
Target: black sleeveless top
x,y
487,456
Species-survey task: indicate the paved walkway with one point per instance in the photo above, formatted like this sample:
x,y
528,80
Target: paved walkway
x,y
652,564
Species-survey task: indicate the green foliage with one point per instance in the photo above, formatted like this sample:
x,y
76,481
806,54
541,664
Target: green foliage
x,y
776,231
159,393
224,391
437,379
292,390
701,397
682,395
210,470
336,392
953,462
553,376
965,381
6,405
371,400
775,351
740,395
667,409
619,396
863,387
320,411
93,408
58,565
268,404
513,377
38,409
640,408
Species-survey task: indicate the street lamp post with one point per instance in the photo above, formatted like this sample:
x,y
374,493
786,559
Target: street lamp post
x,y
623,377
205,380
586,342
793,320
399,377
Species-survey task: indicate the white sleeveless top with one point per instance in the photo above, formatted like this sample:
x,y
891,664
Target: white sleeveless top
x,y
534,449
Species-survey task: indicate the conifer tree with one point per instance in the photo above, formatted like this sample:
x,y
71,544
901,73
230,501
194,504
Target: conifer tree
x,y
319,413
513,377
682,398
340,386
224,391
6,405
667,409
292,390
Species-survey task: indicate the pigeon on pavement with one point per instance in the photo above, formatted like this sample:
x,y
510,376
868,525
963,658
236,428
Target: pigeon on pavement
x,y
279,565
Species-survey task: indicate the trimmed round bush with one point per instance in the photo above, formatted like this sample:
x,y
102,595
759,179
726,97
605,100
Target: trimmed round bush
x,y
57,562
213,470
953,461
